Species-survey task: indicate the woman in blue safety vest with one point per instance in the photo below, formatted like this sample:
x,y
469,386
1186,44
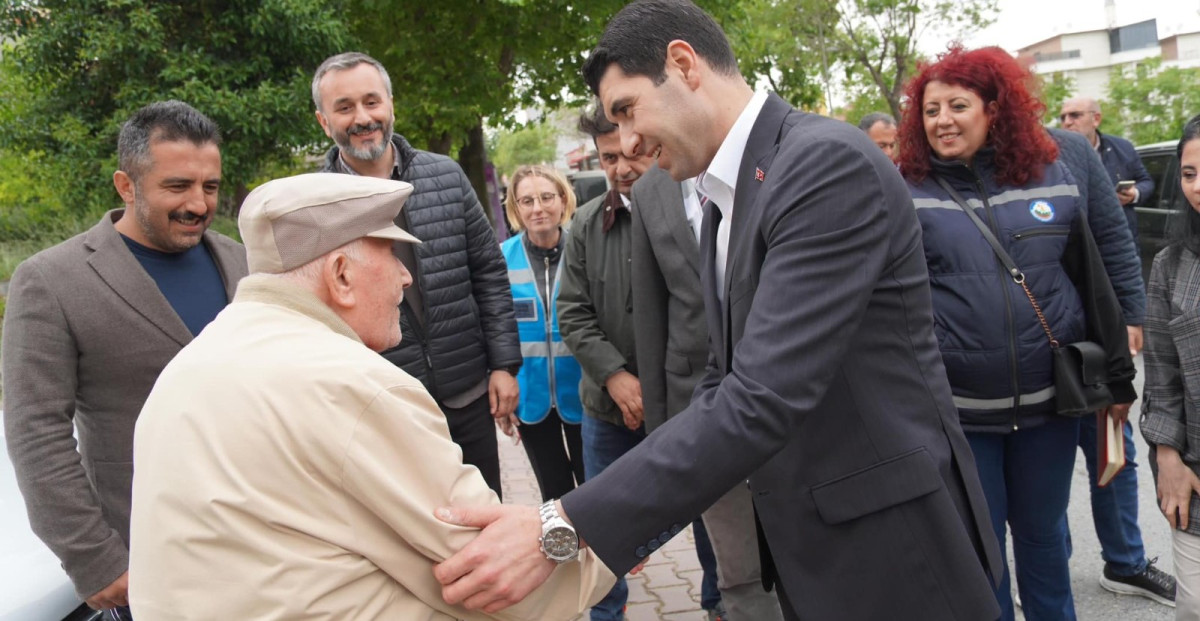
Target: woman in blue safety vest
x,y
539,204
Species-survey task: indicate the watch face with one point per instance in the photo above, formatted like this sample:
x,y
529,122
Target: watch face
x,y
560,542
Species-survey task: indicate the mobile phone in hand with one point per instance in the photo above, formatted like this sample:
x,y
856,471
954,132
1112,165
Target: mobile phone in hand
x,y
1125,184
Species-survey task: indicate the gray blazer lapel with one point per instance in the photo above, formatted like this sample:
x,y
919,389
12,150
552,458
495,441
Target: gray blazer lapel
x,y
118,268
673,215
231,263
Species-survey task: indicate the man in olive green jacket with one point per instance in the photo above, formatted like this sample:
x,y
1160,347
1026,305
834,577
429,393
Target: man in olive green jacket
x,y
595,317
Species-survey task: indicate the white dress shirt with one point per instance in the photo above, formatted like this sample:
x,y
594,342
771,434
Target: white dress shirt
x,y
691,206
719,182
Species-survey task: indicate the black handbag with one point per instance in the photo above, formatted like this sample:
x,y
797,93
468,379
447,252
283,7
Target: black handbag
x,y
1080,369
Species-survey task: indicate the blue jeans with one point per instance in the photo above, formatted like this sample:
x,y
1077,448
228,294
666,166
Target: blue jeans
x,y
1026,477
1115,506
604,443
710,595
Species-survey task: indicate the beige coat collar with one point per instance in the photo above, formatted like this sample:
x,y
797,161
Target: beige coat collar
x,y
280,292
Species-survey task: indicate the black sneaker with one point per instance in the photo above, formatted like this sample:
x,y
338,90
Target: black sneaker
x,y
1153,583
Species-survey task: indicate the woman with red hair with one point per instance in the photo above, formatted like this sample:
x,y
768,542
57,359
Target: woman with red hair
x,y
971,143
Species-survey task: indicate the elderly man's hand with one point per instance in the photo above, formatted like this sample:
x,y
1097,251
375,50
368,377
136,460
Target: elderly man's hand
x,y
502,565
503,393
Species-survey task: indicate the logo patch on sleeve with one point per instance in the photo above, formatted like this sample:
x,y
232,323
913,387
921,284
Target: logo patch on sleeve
x,y
1042,211
526,309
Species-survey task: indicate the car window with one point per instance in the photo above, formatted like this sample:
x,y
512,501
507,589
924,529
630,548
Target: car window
x,y
1161,168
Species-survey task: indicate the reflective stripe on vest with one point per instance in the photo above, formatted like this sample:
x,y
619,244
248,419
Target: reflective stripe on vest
x,y
968,403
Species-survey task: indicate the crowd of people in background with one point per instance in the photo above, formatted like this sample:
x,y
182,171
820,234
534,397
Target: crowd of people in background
x,y
830,351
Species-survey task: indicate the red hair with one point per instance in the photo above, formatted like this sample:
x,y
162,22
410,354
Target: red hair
x,y
1021,144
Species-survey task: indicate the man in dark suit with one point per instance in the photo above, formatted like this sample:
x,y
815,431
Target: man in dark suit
x,y
672,349
824,385
90,324
1082,116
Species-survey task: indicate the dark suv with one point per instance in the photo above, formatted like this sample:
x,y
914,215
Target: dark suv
x,y
1155,215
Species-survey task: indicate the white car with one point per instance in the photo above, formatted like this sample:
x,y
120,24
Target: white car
x,y
35,586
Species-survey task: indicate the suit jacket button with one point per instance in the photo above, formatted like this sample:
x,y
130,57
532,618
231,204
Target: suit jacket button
x,y
653,545
641,552
675,529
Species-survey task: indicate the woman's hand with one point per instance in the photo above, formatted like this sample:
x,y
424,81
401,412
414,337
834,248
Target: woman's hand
x,y
1176,484
1119,411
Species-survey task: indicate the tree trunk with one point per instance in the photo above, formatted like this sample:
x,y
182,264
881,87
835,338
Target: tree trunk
x,y
473,157
441,144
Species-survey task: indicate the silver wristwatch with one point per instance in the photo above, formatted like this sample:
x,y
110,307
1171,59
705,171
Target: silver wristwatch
x,y
558,542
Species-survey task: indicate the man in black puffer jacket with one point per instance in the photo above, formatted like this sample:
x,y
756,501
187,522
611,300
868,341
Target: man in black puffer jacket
x,y
457,324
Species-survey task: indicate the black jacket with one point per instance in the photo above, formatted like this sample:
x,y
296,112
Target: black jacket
x,y
1108,222
469,324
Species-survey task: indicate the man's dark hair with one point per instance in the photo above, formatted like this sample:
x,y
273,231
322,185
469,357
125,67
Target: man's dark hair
x,y
1185,225
161,121
871,119
636,40
593,122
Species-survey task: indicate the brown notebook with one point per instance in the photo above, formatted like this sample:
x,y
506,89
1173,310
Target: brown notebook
x,y
1110,450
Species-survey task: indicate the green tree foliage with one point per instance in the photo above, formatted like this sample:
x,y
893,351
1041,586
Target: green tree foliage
x,y
530,144
1055,88
784,44
84,66
877,39
1149,103
454,64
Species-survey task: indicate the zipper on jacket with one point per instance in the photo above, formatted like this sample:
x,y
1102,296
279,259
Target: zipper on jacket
x,y
424,341
1050,230
1008,309
549,327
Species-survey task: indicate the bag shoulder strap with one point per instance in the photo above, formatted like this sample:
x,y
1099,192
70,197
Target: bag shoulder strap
x,y
1008,262
1017,275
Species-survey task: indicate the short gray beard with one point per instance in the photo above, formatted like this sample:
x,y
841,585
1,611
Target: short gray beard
x,y
369,154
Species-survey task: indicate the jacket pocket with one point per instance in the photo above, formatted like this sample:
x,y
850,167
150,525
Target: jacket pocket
x,y
877,487
1038,231
676,364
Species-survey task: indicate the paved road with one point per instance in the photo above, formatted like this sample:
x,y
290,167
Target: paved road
x,y
669,588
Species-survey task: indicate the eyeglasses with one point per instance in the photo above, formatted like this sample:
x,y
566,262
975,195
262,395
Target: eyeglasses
x,y
1074,116
546,198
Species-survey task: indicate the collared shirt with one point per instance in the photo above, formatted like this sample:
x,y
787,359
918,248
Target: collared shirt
x,y
345,168
611,210
719,182
691,206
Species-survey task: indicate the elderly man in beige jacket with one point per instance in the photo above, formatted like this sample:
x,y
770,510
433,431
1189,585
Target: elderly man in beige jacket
x,y
284,470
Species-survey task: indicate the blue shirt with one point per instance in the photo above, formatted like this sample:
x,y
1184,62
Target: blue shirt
x,y
189,280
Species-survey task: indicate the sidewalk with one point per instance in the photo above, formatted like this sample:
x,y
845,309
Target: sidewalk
x,y
667,589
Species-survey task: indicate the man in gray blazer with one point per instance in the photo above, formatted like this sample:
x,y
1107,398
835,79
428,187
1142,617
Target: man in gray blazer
x,y
825,386
90,324
671,340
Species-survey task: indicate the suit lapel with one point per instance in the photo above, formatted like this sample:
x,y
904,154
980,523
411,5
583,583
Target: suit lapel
x,y
760,151
117,267
227,264
674,217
